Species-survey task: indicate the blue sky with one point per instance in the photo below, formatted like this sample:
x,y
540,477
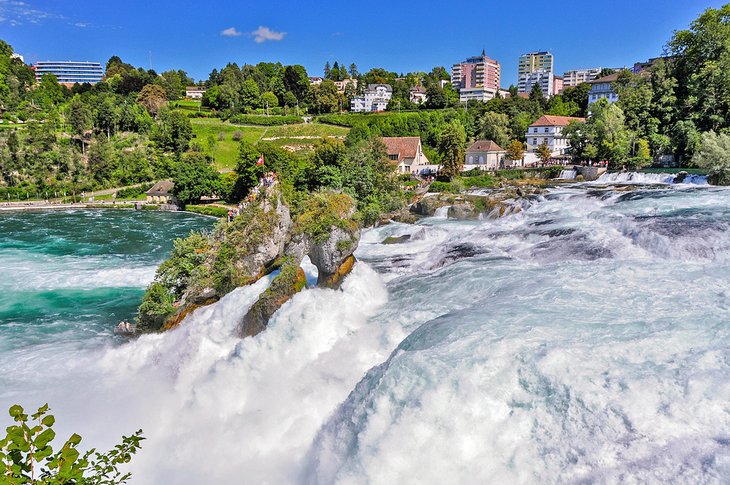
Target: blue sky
x,y
399,36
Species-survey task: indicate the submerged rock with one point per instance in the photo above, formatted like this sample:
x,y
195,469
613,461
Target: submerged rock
x,y
396,239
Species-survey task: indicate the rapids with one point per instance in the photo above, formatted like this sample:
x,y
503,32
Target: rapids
x,y
583,339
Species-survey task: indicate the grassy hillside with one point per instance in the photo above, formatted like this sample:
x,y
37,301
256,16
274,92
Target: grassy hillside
x,y
298,138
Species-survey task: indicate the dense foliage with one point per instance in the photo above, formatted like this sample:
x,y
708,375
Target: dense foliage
x,y
27,454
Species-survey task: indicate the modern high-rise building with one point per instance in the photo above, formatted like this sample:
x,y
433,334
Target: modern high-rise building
x,y
575,77
536,68
476,78
70,72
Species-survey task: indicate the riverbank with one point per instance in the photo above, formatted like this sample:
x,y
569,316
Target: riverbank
x,y
45,205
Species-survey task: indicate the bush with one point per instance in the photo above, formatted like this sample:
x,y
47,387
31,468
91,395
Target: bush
x,y
207,210
512,174
237,136
259,120
26,454
440,187
132,192
479,181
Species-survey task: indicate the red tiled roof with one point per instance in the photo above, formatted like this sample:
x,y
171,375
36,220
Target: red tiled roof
x,y
484,146
550,120
403,146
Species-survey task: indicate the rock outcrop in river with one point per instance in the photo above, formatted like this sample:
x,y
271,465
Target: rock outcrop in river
x,y
263,239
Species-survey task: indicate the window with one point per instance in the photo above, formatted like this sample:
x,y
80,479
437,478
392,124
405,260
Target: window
x,y
546,129
471,160
544,140
481,160
393,156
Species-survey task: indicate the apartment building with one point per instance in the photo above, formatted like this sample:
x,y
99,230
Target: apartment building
x,y
476,78
536,68
70,72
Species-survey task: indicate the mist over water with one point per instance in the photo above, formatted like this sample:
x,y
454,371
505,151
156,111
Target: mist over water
x,y
583,339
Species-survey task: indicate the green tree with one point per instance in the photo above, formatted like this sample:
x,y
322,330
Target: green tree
x,y
515,150
495,127
194,178
713,154
250,94
173,131
451,148
107,115
153,98
27,454
246,168
544,153
269,99
79,116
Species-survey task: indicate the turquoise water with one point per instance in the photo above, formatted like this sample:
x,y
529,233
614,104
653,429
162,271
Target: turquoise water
x,y
71,276
583,339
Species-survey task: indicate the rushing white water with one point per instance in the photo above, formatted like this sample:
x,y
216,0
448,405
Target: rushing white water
x,y
568,174
581,340
641,178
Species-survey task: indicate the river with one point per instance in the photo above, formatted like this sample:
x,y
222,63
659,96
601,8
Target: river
x,y
582,339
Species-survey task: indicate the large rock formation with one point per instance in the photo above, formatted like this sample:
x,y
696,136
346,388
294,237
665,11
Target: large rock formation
x,y
263,239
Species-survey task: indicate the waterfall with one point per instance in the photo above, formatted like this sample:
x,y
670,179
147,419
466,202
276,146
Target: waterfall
x,y
640,178
568,174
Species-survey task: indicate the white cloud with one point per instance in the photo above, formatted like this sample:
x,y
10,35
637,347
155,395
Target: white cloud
x,y
19,13
81,24
230,32
262,34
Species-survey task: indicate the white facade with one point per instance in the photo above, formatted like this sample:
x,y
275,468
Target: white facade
x,y
536,68
602,90
552,135
543,78
376,98
476,94
194,92
549,130
575,77
418,95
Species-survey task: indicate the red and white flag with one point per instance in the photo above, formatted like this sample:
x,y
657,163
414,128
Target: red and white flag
x,y
260,160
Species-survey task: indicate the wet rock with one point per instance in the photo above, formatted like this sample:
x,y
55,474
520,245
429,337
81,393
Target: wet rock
x,y
463,211
396,239
285,285
125,328
679,178
428,205
334,280
329,254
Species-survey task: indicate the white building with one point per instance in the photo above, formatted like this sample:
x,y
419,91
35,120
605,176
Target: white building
x,y
549,130
476,94
376,98
418,95
342,85
406,152
544,79
315,81
484,155
194,92
603,88
575,77
536,68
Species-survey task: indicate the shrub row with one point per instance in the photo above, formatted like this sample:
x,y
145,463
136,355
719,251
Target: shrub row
x,y
242,119
207,210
